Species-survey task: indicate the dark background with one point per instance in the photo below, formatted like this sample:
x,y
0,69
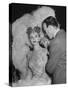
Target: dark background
x,y
17,10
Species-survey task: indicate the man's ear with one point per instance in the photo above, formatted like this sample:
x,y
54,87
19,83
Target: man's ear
x,y
44,26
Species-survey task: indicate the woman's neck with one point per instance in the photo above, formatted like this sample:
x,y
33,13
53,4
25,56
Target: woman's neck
x,y
37,46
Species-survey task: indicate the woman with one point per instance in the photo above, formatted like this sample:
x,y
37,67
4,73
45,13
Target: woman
x,y
38,58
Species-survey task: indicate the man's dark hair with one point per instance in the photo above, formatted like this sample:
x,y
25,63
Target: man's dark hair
x,y
50,21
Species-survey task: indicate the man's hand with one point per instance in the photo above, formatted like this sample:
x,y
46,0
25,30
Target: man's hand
x,y
44,41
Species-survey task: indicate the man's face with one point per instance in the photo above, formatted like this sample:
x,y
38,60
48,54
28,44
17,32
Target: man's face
x,y
49,30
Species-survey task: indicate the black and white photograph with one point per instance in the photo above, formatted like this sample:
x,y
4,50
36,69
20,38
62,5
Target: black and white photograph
x,y
37,44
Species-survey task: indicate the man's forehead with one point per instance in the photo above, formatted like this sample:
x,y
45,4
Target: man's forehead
x,y
49,26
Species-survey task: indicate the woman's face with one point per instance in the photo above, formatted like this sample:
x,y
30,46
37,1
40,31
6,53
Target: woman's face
x,y
34,38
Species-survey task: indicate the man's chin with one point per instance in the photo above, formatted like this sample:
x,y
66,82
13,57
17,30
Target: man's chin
x,y
47,37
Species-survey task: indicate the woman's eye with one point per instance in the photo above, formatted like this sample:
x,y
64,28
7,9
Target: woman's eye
x,y
31,37
36,36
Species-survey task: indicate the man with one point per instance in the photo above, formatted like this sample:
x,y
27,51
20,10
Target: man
x,y
56,65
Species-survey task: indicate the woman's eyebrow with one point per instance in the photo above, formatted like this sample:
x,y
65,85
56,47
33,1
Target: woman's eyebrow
x,y
31,37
